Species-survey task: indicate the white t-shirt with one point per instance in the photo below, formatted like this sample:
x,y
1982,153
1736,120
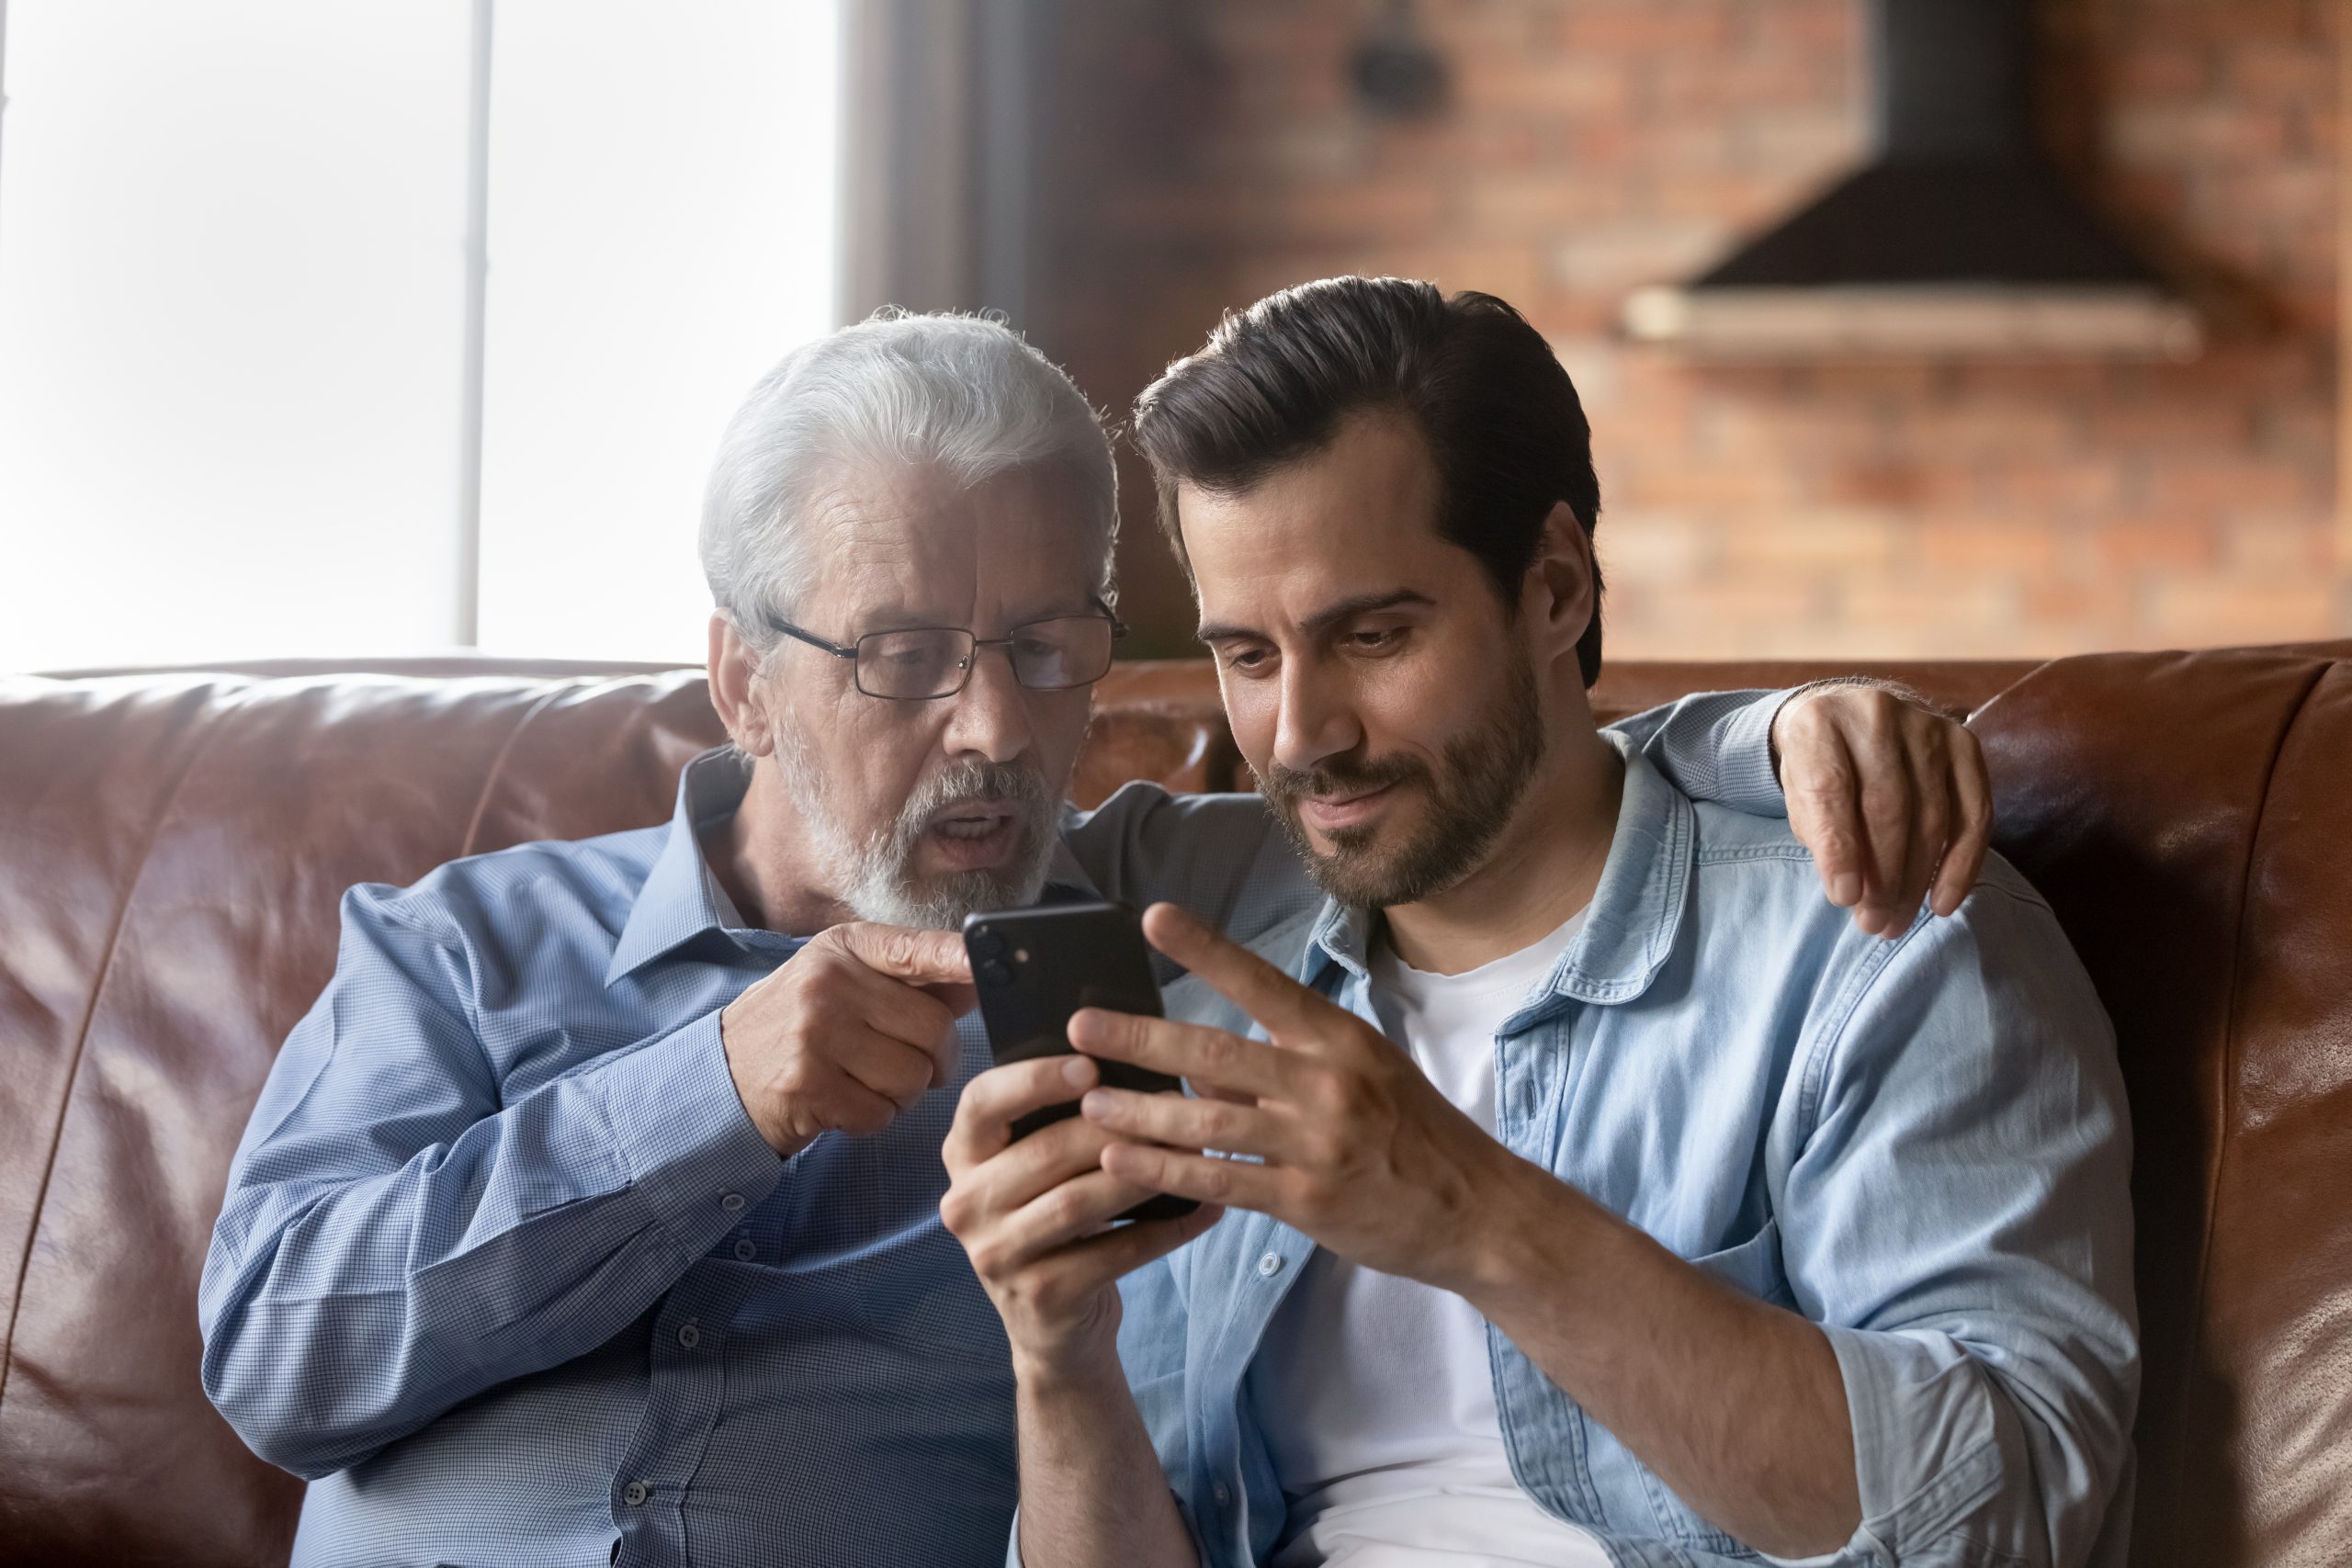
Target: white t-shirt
x,y
1374,1392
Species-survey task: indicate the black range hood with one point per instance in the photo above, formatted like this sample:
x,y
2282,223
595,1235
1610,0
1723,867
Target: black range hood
x,y
1957,238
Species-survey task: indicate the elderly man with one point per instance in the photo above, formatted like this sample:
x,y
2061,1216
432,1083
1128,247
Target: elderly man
x,y
591,1213
1599,1199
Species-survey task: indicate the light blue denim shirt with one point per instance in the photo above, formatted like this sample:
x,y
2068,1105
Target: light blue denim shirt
x,y
506,1271
1920,1144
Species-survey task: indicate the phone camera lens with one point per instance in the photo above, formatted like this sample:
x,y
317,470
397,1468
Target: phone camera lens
x,y
992,972
986,944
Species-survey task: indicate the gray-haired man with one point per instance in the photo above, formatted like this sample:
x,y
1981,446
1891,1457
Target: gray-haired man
x,y
592,1209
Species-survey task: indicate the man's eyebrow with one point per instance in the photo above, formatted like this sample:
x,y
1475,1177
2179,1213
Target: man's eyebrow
x,y
1325,619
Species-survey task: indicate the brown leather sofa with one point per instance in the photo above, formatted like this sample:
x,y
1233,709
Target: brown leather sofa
x,y
172,844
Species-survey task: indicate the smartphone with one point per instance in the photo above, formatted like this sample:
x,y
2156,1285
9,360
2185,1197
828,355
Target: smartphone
x,y
1036,967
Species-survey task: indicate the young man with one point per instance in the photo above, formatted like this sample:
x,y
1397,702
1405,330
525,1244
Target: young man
x,y
1596,1194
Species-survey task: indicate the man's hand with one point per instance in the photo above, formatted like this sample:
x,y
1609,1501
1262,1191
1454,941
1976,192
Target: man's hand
x,y
1033,1216
855,1028
1359,1150
1891,797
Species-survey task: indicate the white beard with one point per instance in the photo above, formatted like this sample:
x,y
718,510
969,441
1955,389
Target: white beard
x,y
873,874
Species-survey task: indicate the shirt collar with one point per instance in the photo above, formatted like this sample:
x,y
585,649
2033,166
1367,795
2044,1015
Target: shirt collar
x,y
682,898
1630,926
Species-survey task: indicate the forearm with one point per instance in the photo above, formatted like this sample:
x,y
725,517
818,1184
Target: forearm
x,y
344,1308
1736,1404
1091,1487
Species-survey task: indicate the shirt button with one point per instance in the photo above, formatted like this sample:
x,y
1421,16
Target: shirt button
x,y
745,1251
635,1493
732,1202
1222,1492
1271,1265
689,1334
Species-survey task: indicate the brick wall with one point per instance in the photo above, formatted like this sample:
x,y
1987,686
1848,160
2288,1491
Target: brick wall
x,y
1206,151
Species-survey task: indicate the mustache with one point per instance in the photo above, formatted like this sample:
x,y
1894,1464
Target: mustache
x,y
1017,783
1337,775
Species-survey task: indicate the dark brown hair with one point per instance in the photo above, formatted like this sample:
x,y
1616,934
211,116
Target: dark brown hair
x,y
1501,418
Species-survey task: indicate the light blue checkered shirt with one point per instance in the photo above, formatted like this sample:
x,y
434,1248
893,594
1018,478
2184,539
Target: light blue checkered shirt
x,y
505,1269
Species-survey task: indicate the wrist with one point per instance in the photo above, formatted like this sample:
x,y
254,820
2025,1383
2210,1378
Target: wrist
x,y
1067,1372
1533,1240
771,1122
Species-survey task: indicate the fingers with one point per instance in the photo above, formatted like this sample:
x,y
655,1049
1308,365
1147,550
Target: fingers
x,y
1186,1123
886,1002
958,997
1251,983
1887,800
1071,1210
1933,814
1084,1266
882,1064
1825,807
1001,1096
1227,1184
1029,1168
917,958
848,1106
1973,832
1211,1057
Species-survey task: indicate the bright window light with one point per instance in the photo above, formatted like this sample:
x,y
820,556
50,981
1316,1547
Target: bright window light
x,y
233,360
231,320
662,228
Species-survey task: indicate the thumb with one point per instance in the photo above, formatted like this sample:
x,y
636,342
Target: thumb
x,y
917,958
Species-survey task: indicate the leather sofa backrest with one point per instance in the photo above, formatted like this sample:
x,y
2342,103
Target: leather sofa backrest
x,y
173,846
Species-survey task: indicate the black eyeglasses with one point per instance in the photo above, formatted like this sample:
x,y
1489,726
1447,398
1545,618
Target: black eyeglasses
x,y
921,662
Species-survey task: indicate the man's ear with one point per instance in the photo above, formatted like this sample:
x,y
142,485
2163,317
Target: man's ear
x,y
1559,599
735,687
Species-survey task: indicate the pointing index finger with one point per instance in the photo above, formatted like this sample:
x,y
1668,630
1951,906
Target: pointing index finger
x,y
918,957
1280,1003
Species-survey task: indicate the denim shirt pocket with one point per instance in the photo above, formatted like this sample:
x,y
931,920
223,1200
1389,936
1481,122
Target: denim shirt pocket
x,y
1753,1267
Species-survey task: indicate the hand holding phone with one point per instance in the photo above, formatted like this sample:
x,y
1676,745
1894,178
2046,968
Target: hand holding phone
x,y
1034,968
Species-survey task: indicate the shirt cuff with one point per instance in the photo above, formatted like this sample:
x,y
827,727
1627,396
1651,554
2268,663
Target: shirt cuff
x,y
1927,1454
1747,778
683,1138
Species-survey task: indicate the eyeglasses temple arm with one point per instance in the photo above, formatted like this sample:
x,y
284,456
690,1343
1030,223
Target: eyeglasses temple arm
x,y
787,629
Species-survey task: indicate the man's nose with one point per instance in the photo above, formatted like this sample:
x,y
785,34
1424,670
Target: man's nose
x,y
990,714
1316,718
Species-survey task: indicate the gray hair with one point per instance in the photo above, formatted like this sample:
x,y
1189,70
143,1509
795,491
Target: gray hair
x,y
962,393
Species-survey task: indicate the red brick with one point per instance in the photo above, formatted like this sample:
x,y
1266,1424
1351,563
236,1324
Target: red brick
x,y
1998,543
1812,538
2220,610
2186,544
1593,145
1620,27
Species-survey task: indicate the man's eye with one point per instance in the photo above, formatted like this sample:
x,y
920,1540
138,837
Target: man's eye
x,y
1246,660
1377,641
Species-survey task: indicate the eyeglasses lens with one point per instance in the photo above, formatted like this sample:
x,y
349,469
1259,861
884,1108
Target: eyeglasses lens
x,y
1047,656
1052,656
906,665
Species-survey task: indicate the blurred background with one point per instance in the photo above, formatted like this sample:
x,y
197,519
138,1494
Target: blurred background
x,y
1908,328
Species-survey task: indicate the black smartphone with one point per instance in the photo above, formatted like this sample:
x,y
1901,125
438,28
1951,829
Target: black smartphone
x,y
1036,967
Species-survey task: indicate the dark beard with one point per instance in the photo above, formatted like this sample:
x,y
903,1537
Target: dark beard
x,y
1481,777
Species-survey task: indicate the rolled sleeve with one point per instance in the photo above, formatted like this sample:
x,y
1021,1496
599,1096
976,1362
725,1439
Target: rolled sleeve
x,y
1958,1223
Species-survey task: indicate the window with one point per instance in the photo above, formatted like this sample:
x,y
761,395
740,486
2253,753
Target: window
x,y
238,416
